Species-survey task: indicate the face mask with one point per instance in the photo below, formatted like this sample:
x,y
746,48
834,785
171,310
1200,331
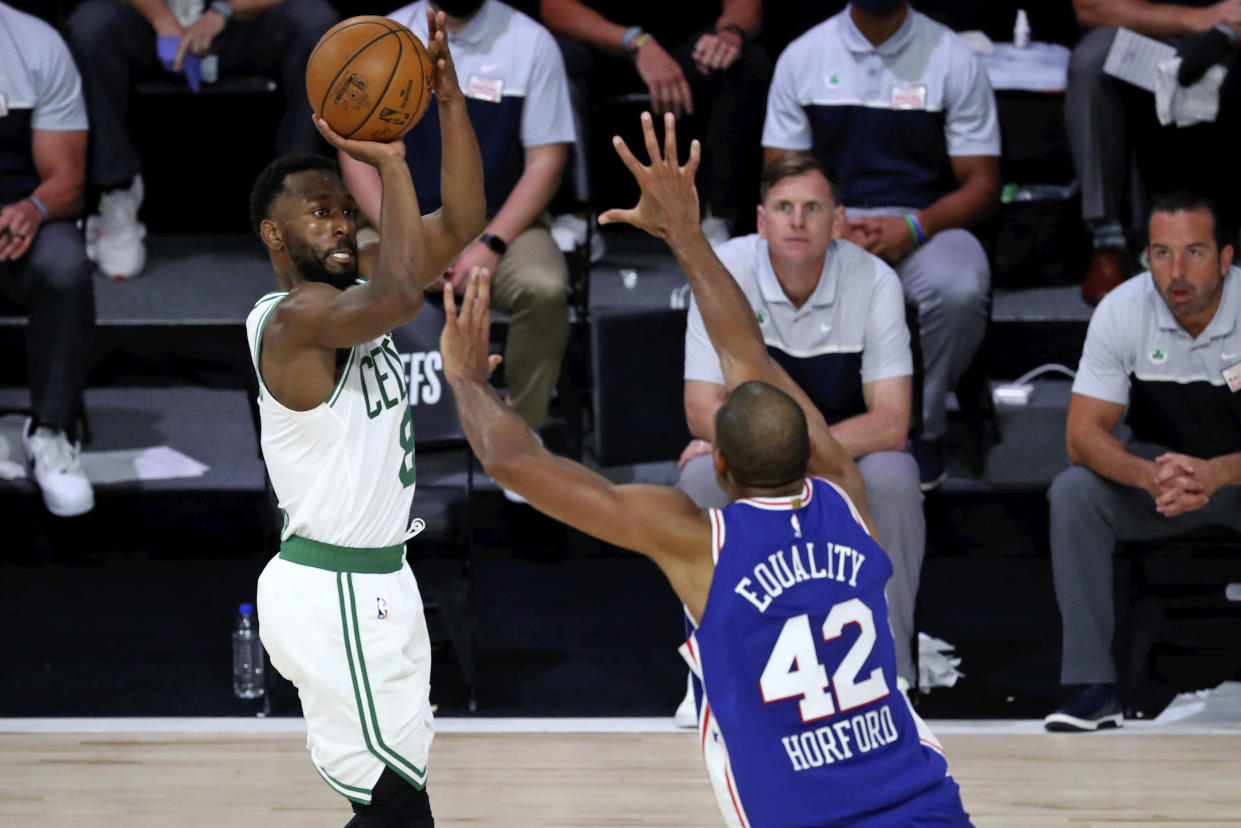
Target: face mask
x,y
879,8
458,8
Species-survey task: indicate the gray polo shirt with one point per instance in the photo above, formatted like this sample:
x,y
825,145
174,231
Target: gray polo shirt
x,y
851,330
41,90
1137,354
886,119
516,91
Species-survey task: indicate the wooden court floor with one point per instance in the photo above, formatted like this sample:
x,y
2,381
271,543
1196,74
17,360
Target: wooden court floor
x,y
516,780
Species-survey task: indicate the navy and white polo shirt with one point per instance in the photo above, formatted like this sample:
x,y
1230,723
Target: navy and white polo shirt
x,y
1137,354
513,77
42,90
885,120
850,332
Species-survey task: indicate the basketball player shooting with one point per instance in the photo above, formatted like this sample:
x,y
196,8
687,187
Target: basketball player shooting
x,y
801,722
339,608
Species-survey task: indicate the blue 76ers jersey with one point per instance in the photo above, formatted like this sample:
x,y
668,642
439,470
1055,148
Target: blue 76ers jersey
x,y
801,720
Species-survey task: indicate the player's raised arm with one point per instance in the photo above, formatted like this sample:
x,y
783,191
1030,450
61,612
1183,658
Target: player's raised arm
x,y
657,521
668,209
464,212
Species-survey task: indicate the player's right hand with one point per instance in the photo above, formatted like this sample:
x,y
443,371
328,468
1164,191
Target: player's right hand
x,y
668,205
444,81
368,152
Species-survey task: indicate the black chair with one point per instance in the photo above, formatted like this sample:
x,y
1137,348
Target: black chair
x,y
1176,628
441,555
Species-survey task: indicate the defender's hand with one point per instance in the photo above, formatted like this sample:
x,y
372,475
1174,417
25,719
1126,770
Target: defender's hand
x,y
444,83
668,205
467,334
368,152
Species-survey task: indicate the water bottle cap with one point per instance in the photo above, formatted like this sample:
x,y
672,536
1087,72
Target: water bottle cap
x,y
246,609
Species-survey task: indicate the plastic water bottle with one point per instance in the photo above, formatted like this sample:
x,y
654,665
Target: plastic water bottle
x,y
247,655
1021,30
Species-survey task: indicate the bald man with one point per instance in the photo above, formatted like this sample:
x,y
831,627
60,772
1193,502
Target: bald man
x,y
790,571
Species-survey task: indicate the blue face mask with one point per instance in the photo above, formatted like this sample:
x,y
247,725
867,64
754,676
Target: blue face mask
x,y
878,8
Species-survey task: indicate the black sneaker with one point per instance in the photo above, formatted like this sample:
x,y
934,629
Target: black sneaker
x,y
931,468
1093,707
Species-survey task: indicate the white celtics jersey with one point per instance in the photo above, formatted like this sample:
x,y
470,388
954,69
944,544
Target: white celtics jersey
x,y
343,471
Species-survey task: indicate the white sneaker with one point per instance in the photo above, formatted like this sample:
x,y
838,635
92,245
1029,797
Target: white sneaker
x,y
715,229
687,711
114,237
56,468
569,231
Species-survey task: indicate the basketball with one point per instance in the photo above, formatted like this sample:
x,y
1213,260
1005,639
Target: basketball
x,y
370,78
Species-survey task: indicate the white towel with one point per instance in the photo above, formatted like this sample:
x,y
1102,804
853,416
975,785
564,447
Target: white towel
x,y
1186,105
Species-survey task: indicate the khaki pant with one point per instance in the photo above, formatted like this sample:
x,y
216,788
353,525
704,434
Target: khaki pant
x,y
531,286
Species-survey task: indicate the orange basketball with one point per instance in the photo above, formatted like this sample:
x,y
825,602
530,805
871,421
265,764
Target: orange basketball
x,y
369,78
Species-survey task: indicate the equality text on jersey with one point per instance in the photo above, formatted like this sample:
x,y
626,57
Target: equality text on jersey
x,y
800,563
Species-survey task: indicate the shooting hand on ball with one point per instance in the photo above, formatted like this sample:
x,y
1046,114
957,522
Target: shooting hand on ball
x,y
368,152
444,81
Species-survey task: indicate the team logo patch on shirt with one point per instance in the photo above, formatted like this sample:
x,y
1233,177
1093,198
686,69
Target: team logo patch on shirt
x,y
383,607
1159,355
833,79
762,317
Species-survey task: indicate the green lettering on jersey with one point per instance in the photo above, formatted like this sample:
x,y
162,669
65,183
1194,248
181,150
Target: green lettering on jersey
x,y
408,470
363,373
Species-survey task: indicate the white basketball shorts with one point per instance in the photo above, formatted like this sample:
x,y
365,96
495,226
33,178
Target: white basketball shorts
x,y
356,647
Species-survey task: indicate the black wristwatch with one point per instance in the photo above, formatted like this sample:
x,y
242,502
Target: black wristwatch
x,y
494,243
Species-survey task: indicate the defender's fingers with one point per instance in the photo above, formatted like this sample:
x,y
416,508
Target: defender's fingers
x,y
483,302
622,216
648,134
626,156
670,138
695,157
450,303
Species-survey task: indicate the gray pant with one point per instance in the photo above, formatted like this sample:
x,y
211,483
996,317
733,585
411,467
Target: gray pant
x,y
895,503
1094,117
53,281
1088,515
110,38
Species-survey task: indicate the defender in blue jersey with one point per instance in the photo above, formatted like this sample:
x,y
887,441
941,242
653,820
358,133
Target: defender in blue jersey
x,y
801,722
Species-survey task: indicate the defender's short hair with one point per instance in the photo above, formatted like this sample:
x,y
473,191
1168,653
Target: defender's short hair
x,y
270,182
762,433
789,164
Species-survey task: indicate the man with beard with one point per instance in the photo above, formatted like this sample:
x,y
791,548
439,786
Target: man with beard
x,y
1166,344
340,611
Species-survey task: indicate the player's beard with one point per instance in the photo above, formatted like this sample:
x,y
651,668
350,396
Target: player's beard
x,y
313,264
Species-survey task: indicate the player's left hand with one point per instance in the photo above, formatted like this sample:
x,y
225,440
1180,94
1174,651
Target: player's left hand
x,y
19,222
466,337
444,81
668,205
887,237
198,36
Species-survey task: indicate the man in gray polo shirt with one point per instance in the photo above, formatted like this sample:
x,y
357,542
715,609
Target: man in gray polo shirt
x,y
1167,345
833,316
